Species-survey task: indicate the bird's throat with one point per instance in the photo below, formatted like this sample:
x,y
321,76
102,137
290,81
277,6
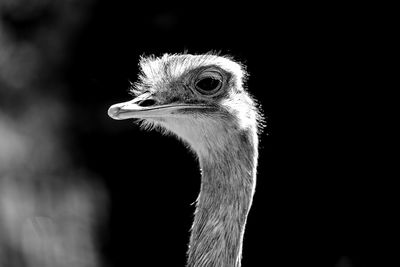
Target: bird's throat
x,y
227,188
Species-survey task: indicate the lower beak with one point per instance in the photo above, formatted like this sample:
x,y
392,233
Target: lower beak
x,y
132,110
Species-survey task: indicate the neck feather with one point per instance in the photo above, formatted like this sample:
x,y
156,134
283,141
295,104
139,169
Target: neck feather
x,y
227,188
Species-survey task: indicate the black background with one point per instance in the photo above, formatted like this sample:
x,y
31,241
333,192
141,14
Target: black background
x,y
307,197
310,196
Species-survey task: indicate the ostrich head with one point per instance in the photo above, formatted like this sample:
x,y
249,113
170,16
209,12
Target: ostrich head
x,y
201,99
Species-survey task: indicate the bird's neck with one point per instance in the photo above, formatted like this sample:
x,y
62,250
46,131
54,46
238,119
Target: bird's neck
x,y
227,188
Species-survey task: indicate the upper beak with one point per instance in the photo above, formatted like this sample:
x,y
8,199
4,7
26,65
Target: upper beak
x,y
132,109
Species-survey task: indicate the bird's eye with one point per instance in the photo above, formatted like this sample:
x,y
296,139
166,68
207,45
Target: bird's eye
x,y
209,83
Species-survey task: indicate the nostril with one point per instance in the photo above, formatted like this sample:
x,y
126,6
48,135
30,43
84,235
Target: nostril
x,y
147,103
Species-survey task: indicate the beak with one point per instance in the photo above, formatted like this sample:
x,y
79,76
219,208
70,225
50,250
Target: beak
x,y
134,110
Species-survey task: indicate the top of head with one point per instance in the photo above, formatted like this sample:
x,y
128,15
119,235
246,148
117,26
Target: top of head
x,y
200,98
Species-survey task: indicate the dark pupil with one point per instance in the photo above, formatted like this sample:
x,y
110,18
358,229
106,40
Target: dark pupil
x,y
208,84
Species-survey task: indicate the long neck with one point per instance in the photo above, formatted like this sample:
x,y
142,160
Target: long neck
x,y
227,188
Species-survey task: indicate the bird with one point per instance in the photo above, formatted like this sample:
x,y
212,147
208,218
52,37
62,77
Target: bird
x,y
202,99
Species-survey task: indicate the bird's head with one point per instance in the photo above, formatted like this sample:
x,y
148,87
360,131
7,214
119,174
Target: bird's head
x,y
200,98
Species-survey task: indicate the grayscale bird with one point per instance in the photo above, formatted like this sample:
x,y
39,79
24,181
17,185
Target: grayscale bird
x,y
201,99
